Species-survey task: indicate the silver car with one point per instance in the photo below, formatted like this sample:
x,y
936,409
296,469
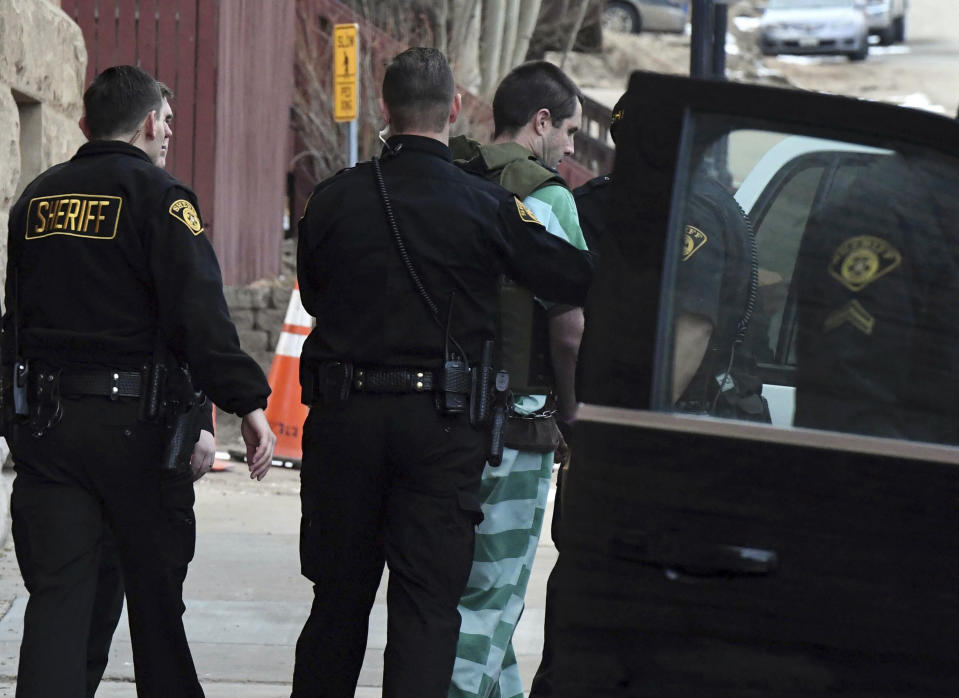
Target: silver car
x,y
634,16
815,27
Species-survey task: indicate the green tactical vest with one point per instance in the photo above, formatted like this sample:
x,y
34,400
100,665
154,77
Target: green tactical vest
x,y
523,325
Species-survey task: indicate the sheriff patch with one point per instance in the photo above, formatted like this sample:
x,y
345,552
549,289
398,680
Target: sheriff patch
x,y
859,261
524,213
93,216
183,211
693,239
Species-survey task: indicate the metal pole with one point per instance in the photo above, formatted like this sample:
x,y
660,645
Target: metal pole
x,y
720,23
700,47
351,146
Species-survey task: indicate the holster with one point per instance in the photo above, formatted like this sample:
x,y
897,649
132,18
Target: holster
x,y
325,384
184,430
13,394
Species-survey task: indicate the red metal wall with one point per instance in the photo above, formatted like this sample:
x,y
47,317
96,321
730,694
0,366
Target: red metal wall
x,y
230,66
175,40
253,98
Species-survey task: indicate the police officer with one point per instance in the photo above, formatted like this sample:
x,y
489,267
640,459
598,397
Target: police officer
x,y
108,604
876,283
716,288
101,358
713,285
399,261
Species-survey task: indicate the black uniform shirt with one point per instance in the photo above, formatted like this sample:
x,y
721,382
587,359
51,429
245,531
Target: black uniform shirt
x,y
714,265
106,249
877,282
461,233
593,201
713,276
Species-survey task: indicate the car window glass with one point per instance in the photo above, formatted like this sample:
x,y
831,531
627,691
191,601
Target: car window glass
x,y
812,284
778,232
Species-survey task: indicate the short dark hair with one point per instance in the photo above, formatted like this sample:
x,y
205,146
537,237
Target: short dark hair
x,y
527,89
118,99
418,89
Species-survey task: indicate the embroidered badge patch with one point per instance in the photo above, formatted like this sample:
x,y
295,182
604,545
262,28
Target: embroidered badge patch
x,y
93,216
693,239
525,213
854,314
859,261
183,211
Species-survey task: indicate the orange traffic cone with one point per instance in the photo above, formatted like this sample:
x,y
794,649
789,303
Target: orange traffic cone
x,y
284,411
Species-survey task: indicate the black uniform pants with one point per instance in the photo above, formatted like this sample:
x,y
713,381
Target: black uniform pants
x,y
91,476
386,478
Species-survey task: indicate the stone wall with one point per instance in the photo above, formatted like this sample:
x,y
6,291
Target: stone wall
x,y
42,64
258,311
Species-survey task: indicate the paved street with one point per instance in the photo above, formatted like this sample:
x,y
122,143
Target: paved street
x,y
246,601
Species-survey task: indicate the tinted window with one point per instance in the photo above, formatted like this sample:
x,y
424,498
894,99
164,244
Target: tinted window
x,y
818,276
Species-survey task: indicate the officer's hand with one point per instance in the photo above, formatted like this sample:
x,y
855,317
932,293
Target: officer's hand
x,y
203,454
259,440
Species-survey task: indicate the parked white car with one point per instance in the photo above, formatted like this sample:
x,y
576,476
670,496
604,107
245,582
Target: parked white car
x,y
634,16
815,27
887,20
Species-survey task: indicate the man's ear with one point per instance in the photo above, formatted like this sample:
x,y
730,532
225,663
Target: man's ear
x,y
455,107
84,129
540,119
149,125
384,112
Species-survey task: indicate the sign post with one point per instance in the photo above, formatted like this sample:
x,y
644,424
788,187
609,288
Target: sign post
x,y
346,82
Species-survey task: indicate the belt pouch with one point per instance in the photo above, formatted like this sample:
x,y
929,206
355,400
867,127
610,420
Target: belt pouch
x,y
540,435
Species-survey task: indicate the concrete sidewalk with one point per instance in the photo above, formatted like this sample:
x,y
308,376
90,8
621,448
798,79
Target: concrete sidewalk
x,y
246,600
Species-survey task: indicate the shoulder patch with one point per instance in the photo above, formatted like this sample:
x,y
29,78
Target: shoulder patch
x,y
525,213
183,211
693,239
859,261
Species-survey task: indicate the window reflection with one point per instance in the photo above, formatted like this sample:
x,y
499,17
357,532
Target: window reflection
x,y
853,322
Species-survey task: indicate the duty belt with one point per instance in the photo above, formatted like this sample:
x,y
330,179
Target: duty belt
x,y
102,382
392,380
335,380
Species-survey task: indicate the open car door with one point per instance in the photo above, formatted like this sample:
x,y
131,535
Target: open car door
x,y
812,547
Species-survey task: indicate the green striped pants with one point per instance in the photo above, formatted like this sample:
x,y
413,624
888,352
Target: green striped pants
x,y
514,505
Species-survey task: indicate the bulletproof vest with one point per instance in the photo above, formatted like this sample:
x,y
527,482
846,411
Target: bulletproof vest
x,y
524,328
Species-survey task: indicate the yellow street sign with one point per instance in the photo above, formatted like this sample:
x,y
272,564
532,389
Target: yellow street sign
x,y
345,74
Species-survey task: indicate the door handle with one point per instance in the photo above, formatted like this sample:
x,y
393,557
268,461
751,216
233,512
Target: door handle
x,y
693,557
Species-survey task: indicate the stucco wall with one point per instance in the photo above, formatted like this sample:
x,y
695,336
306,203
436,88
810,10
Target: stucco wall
x,y
42,65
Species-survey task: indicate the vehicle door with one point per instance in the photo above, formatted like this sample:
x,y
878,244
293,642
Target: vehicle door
x,y
714,556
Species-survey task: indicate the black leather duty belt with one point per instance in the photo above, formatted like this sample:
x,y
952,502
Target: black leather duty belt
x,y
103,383
332,382
391,380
